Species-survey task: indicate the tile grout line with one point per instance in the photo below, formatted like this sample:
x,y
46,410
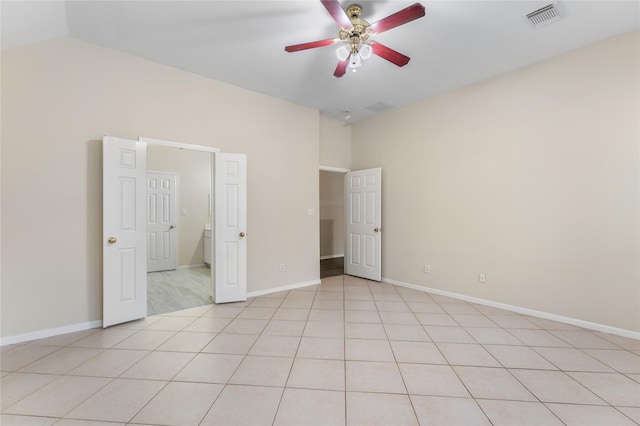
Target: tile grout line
x,y
284,386
404,383
344,351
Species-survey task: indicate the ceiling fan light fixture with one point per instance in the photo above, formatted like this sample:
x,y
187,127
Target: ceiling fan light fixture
x,y
343,53
355,62
365,51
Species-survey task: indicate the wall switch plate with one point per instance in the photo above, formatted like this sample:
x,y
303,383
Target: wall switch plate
x,y
427,269
183,212
282,267
482,277
311,212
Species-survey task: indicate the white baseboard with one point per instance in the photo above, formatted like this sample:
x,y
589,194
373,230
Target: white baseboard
x,y
41,334
202,265
331,256
531,312
283,288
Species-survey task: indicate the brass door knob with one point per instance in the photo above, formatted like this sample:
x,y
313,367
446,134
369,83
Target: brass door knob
x,y
112,240
242,235
171,227
376,229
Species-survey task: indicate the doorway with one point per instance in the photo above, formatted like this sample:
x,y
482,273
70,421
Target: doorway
x,y
332,238
351,222
176,229
124,232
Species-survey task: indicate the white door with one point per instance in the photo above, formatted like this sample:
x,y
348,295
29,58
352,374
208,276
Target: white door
x,y
124,173
230,228
161,221
363,232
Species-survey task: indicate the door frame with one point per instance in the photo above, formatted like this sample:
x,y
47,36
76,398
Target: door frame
x,y
342,171
212,151
180,145
146,142
334,169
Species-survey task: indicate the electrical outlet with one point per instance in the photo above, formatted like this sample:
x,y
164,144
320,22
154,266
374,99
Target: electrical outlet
x,y
282,267
482,277
427,269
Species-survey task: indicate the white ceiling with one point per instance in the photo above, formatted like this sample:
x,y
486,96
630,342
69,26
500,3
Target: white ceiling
x,y
242,42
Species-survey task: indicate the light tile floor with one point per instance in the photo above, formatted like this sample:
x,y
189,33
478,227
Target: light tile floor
x,y
348,351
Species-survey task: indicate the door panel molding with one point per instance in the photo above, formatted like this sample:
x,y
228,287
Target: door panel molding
x,y
124,230
162,220
363,223
230,228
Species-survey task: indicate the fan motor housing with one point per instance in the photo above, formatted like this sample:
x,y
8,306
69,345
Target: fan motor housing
x,y
359,32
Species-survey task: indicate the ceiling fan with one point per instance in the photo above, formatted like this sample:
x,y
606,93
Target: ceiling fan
x,y
356,34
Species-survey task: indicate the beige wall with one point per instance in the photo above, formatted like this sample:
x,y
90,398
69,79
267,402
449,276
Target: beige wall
x,y
335,143
531,178
59,98
194,186
331,213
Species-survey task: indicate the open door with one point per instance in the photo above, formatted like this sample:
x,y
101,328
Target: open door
x,y
230,228
363,231
124,174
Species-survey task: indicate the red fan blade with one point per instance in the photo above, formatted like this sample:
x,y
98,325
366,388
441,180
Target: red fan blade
x,y
341,69
401,17
310,45
390,55
337,12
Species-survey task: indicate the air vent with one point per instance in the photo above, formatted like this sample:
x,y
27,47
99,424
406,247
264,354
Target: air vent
x,y
543,16
379,107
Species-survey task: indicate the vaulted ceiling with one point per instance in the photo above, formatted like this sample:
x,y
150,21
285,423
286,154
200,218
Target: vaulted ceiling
x,y
456,44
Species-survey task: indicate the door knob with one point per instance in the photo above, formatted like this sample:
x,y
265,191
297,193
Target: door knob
x,y
376,229
171,227
242,235
112,240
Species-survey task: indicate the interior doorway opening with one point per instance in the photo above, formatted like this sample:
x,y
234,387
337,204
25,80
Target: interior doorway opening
x,y
124,231
351,222
177,229
332,223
